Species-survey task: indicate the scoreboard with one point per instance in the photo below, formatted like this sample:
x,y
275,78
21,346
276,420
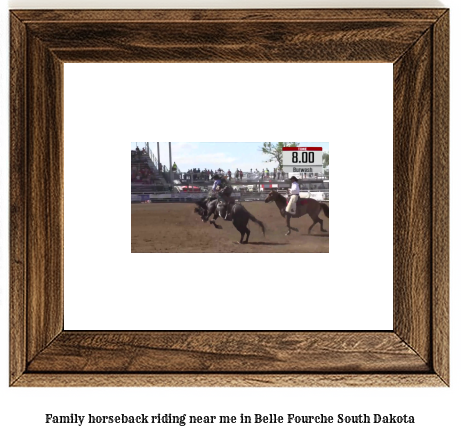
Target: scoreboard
x,y
302,160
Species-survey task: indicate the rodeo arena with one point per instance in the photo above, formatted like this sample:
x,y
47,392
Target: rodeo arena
x,y
175,210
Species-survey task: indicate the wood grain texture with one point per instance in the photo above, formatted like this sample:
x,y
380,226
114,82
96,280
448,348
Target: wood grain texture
x,y
205,15
440,206
230,380
45,199
413,196
241,352
243,41
18,192
414,354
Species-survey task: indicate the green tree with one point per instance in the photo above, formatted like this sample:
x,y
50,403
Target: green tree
x,y
326,162
275,151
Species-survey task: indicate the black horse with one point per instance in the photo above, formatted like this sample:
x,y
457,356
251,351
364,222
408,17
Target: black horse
x,y
207,207
240,216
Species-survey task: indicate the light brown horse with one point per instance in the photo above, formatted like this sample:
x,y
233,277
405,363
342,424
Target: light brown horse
x,y
305,206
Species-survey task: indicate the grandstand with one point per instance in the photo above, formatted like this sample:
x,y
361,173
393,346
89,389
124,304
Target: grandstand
x,y
151,180
146,176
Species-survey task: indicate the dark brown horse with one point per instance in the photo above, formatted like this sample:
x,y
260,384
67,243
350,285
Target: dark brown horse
x,y
207,207
240,216
305,206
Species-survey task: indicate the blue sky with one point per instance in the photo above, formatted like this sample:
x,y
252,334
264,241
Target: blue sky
x,y
214,155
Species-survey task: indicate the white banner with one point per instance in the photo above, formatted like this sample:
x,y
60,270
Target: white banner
x,y
309,170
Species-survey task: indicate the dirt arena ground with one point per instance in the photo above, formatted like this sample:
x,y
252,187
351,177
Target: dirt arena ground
x,y
175,228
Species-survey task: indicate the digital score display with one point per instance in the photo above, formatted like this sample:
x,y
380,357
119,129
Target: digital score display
x,y
302,159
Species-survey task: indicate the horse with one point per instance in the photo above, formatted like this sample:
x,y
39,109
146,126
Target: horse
x,y
240,216
207,207
304,206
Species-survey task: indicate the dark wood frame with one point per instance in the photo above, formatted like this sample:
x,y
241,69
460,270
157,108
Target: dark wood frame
x,y
414,353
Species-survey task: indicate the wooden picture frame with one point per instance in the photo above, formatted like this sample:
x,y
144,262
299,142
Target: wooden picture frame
x,y
414,353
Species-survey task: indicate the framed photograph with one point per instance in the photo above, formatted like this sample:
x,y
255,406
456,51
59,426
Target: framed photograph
x,y
414,353
160,199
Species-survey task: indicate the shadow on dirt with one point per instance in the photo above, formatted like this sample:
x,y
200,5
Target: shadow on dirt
x,y
265,243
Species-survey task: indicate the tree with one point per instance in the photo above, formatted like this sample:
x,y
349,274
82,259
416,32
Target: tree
x,y
326,162
275,151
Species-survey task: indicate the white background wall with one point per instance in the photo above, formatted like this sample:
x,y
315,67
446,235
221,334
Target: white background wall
x,y
325,101
435,410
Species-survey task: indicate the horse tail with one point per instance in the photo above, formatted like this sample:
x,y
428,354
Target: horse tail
x,y
326,209
252,218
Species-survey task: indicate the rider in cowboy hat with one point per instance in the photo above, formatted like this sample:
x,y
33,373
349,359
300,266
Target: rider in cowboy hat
x,y
294,196
217,183
224,193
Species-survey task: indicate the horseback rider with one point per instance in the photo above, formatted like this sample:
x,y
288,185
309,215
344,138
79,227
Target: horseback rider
x,y
216,185
294,196
213,195
224,191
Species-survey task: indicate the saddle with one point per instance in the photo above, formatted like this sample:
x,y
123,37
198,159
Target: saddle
x,y
300,202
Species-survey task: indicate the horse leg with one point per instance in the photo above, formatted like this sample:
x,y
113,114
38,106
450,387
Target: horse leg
x,y
213,221
206,215
288,216
321,225
242,231
247,231
288,224
320,220
242,234
316,220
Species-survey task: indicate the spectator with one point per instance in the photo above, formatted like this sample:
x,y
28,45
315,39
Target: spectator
x,y
251,170
229,174
174,167
236,174
138,151
241,174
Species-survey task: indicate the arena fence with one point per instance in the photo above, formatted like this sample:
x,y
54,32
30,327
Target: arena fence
x,y
191,197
